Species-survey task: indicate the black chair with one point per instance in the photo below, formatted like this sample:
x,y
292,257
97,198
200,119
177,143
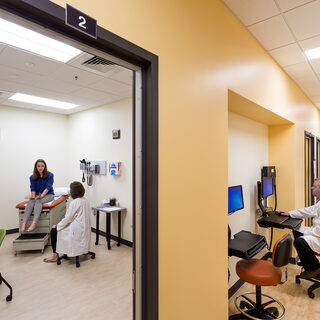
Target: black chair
x,y
2,279
262,273
92,254
315,280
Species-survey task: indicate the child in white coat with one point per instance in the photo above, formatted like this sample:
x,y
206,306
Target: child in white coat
x,y
71,236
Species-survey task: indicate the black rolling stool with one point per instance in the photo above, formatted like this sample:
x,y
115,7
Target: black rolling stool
x,y
92,254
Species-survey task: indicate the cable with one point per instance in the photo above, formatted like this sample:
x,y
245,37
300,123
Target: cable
x,y
271,237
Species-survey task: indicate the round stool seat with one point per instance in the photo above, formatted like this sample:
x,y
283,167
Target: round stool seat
x,y
258,272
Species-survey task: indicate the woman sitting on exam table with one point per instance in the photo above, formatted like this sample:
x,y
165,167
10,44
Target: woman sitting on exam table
x,y
71,236
41,185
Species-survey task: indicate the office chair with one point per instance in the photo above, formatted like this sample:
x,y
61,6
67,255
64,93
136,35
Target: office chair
x,y
315,280
9,297
92,254
262,273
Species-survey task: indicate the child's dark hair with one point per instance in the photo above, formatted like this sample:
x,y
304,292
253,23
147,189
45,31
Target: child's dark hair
x,y
77,190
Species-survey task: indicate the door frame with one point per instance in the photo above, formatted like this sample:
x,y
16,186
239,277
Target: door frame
x,y
52,16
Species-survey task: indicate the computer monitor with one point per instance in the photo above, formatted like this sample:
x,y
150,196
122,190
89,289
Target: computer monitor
x,y
235,199
267,187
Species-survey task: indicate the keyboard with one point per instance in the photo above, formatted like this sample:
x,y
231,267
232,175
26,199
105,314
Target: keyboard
x,y
275,217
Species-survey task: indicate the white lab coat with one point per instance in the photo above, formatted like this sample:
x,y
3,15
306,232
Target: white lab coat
x,y
74,229
311,234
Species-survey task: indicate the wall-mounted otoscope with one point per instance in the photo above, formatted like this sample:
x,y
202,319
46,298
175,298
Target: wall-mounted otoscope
x,y
90,168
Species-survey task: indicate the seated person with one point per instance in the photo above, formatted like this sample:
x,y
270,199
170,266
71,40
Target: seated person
x,y
71,236
41,185
307,239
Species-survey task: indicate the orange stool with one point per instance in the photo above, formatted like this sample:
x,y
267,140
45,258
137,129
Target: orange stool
x,y
262,273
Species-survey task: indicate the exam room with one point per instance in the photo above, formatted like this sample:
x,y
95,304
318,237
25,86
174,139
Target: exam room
x,y
103,93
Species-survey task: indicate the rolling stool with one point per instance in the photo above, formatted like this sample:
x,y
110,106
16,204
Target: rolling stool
x,y
315,280
2,279
92,254
262,273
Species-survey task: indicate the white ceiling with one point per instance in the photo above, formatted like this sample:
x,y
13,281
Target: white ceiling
x,y
286,28
28,73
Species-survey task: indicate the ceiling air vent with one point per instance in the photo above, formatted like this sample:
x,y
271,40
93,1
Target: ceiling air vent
x,y
92,63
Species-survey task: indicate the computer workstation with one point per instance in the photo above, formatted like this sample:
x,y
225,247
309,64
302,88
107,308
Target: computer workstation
x,y
244,243
271,218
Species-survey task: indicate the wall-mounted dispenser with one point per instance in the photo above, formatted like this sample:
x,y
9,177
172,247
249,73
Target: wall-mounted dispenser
x,y
114,168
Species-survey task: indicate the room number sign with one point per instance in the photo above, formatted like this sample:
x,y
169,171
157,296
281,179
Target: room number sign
x,y
80,21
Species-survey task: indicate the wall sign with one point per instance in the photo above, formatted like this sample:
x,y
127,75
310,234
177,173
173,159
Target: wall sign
x,y
80,21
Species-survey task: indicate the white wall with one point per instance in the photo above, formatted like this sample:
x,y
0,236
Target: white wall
x,y
247,154
90,134
25,136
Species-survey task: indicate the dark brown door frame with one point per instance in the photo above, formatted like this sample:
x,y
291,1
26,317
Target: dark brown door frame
x,y
309,138
52,16
318,156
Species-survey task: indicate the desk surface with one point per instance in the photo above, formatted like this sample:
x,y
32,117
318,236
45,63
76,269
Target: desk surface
x,y
109,209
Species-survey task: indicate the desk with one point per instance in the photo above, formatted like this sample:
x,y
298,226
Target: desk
x,y
108,211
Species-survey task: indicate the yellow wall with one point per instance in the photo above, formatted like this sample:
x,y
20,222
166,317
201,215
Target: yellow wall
x,y
203,51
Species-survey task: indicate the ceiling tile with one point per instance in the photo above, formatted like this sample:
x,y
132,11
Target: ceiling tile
x,y
299,70
265,33
310,85
252,11
113,87
287,55
28,62
310,43
76,76
124,76
93,95
286,5
50,84
304,21
2,46
17,76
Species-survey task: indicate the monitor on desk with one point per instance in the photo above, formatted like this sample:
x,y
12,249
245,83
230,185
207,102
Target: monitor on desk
x,y
267,187
235,199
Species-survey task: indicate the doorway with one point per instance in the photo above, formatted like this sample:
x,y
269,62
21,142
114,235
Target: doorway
x,y
145,140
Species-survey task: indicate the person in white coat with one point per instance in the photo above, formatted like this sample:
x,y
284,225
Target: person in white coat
x,y
71,236
307,239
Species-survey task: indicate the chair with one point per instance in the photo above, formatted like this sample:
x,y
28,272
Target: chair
x,y
263,273
92,254
315,280
9,297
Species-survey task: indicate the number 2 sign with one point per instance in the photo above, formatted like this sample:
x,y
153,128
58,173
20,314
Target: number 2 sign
x,y
80,21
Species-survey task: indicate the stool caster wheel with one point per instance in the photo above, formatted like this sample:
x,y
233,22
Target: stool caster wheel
x,y
58,262
15,253
78,265
298,281
311,295
242,305
9,297
93,256
96,243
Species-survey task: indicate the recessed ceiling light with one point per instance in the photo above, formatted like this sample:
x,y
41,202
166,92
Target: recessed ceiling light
x,y
42,101
26,39
313,53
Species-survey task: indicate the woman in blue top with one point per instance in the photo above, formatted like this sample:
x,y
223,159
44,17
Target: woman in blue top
x,y
41,182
